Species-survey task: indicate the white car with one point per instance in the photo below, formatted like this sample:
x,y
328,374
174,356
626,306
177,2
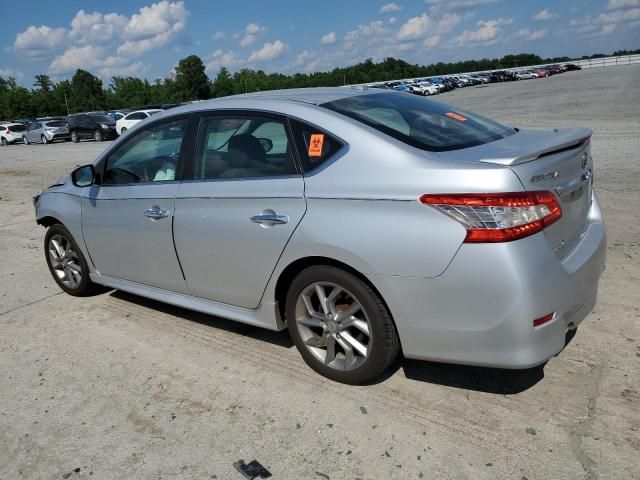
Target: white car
x,y
525,75
131,119
11,133
429,88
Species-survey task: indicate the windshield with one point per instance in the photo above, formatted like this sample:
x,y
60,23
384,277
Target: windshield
x,y
419,122
101,119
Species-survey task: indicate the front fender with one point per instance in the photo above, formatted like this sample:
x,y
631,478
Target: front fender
x,y
66,208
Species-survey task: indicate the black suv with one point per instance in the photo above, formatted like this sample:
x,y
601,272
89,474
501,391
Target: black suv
x,y
98,126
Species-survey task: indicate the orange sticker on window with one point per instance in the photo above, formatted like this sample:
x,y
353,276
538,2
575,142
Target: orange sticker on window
x,y
315,144
460,118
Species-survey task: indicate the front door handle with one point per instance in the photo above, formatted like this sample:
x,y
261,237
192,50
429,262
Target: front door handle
x,y
156,213
270,219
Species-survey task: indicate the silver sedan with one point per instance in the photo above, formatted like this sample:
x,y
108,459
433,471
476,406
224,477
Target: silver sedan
x,y
366,222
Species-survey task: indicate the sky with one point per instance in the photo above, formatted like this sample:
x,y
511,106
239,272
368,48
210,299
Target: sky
x,y
147,39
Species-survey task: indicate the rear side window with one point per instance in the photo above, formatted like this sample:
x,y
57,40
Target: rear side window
x,y
55,123
17,128
243,146
315,147
419,122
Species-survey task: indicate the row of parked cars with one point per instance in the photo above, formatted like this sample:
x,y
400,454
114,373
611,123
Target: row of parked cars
x,y
434,85
98,126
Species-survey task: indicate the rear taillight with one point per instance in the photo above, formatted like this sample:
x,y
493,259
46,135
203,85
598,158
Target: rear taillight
x,y
498,217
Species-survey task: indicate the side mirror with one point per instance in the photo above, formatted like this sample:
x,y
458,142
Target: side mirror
x,y
83,176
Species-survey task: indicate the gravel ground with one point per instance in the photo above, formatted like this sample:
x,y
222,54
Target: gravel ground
x,y
116,386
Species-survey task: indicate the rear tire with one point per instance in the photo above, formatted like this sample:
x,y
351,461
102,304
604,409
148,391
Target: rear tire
x,y
123,131
4,142
44,139
67,264
74,137
345,344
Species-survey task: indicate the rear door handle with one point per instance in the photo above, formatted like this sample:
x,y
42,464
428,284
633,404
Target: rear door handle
x,y
270,219
156,213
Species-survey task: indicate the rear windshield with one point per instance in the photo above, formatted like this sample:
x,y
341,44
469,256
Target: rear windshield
x,y
56,123
17,128
101,119
419,122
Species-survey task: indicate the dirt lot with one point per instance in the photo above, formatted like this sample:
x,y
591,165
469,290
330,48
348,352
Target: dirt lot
x,y
116,386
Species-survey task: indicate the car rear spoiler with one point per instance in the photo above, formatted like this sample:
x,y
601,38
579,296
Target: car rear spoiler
x,y
528,145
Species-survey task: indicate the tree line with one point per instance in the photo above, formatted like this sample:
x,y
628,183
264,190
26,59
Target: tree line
x,y
86,92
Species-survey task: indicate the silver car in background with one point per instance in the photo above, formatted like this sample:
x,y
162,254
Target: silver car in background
x,y
46,131
365,221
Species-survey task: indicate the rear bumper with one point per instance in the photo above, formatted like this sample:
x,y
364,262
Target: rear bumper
x,y
480,311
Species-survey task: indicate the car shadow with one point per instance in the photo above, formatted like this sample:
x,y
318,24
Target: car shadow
x,y
482,379
280,339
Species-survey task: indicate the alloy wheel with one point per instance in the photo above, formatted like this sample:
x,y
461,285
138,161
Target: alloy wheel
x,y
65,261
333,326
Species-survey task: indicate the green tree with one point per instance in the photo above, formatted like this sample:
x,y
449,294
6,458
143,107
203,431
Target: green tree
x,y
86,92
191,81
223,84
43,83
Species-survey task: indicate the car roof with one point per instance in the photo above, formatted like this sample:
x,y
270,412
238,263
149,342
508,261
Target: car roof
x,y
312,96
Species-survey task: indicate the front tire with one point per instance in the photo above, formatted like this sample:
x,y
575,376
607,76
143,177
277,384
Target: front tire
x,y
66,263
340,326
123,131
97,136
25,140
74,137
4,142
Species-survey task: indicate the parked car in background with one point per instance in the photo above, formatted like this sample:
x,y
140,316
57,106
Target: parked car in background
x,y
118,114
572,66
45,131
129,120
11,133
98,126
525,75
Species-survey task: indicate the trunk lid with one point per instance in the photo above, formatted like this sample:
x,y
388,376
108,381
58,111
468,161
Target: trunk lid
x,y
559,161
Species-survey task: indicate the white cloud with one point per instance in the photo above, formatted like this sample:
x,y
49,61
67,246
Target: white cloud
x,y
131,70
363,31
328,39
91,28
432,41
40,41
268,52
220,58
8,72
487,33
606,23
77,57
392,20
444,5
390,8
251,33
419,27
153,27
618,16
531,34
415,27
615,4
544,15
219,36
